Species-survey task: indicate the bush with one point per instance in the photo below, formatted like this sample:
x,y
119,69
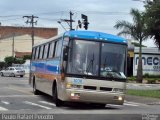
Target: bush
x,y
131,78
2,65
151,81
151,76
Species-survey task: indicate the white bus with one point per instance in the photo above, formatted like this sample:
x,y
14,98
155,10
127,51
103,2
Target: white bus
x,y
81,66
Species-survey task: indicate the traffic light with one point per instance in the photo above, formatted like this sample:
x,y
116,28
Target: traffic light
x,y
85,21
79,24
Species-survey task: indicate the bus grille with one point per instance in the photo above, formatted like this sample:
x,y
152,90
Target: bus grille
x,y
105,89
89,87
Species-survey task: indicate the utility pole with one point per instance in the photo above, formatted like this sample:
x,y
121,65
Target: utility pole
x,y
13,44
69,21
30,19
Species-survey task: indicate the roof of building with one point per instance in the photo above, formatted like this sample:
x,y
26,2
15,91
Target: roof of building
x,y
147,50
21,54
8,31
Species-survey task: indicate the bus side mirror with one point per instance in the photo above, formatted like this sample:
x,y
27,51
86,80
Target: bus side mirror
x,y
65,53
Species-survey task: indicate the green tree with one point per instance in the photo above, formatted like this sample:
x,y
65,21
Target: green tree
x,y
137,30
27,57
152,15
2,65
9,60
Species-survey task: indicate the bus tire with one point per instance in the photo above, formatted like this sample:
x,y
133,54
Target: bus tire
x,y
57,101
35,91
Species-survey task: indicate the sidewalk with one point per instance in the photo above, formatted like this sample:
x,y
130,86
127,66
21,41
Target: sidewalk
x,y
143,100
142,86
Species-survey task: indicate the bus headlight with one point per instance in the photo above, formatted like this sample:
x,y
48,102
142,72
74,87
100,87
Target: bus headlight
x,y
69,86
120,98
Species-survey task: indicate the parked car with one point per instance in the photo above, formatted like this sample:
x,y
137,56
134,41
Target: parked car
x,y
13,72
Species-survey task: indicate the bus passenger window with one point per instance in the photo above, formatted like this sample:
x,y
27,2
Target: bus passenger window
x,y
33,53
45,51
41,52
51,50
58,48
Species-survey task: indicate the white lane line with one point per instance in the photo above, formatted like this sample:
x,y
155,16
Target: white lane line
x,y
135,103
114,105
48,103
3,109
6,96
34,104
130,104
4,102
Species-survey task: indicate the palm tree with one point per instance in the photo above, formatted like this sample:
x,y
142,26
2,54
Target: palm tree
x,y
137,30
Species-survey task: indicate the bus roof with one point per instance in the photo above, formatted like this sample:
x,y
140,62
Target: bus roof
x,y
93,35
90,35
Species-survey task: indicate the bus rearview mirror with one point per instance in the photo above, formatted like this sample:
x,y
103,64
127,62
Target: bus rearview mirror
x,y
65,53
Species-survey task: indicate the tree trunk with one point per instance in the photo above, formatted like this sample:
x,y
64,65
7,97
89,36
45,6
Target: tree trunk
x,y
140,68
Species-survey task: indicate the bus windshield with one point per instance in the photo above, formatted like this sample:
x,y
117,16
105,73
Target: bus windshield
x,y
85,58
113,59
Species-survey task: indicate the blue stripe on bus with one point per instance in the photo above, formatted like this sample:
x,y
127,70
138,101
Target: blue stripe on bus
x,y
92,35
46,66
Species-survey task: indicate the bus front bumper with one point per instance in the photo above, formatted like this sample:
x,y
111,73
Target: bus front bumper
x,y
89,96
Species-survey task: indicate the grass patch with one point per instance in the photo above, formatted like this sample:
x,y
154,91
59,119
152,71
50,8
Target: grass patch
x,y
145,93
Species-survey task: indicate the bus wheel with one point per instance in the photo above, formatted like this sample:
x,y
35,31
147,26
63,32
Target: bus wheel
x,y
57,101
35,91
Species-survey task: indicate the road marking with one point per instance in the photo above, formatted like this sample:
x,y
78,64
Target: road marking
x,y
125,103
3,109
135,103
4,102
34,104
48,103
18,89
6,96
130,104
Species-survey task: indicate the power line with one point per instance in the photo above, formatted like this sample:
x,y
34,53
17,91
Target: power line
x,y
30,19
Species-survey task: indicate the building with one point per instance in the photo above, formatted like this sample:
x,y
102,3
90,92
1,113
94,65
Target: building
x,y
18,39
150,61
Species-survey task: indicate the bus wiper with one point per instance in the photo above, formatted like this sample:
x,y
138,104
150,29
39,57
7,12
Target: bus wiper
x,y
90,65
114,74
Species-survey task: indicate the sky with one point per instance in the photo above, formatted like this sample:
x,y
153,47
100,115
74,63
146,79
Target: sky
x,y
102,14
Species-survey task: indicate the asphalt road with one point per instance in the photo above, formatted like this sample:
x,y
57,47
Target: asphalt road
x,y
16,97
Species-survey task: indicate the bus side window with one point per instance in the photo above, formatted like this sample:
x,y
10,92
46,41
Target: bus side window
x,y
33,53
58,48
41,52
51,50
54,51
45,51
37,52
48,51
